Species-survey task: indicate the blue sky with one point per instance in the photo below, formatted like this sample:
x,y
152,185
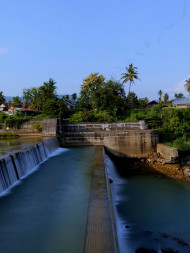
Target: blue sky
x,y
68,40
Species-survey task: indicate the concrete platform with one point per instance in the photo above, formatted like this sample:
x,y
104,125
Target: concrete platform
x,y
99,235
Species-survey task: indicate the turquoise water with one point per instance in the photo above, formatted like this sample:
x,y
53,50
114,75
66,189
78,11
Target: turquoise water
x,y
47,211
13,145
150,212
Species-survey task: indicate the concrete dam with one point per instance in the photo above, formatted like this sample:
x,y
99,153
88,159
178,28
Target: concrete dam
x,y
73,178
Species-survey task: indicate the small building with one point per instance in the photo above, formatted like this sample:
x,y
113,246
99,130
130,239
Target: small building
x,y
181,102
152,103
26,111
4,107
71,104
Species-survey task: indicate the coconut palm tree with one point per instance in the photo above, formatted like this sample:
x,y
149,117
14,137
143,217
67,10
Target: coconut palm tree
x,y
130,75
187,85
2,98
160,95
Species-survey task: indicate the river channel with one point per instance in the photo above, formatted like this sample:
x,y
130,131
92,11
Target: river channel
x,y
150,212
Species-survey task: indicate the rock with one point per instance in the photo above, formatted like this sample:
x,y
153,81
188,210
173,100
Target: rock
x,y
143,250
187,172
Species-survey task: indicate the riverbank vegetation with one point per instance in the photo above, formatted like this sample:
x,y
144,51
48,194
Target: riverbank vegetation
x,y
103,100
8,135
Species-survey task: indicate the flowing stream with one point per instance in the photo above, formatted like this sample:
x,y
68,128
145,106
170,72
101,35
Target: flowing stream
x,y
151,213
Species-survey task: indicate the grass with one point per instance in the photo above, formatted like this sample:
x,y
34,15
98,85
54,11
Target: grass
x,y
8,135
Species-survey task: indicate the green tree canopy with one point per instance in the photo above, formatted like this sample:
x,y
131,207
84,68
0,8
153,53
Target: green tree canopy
x,y
179,95
16,102
166,97
36,97
132,99
90,84
56,108
143,102
130,75
109,97
187,85
74,96
2,98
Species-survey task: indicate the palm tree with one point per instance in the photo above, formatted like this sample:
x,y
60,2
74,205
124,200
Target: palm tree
x,y
2,98
187,85
130,75
160,95
166,97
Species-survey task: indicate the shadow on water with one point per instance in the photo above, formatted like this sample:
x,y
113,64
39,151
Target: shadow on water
x,y
47,211
152,213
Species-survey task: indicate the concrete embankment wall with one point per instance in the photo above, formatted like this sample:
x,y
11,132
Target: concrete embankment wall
x,y
170,154
49,128
127,138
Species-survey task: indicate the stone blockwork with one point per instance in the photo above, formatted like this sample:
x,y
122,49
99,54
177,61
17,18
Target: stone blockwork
x,y
49,127
28,124
126,138
168,153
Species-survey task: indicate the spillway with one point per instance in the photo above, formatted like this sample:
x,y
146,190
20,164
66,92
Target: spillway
x,y
54,200
47,211
15,167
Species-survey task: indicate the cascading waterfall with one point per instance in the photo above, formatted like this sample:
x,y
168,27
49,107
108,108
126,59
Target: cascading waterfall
x,y
16,166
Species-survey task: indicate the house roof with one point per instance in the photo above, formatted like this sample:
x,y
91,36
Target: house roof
x,y
5,105
25,110
181,101
153,102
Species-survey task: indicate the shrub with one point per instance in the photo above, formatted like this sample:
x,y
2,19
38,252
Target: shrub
x,y
37,126
3,116
15,122
9,134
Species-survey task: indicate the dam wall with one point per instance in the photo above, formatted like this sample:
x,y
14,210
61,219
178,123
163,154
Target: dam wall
x,y
15,167
124,138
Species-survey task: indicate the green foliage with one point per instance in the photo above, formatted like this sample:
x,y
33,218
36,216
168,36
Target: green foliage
x,y
109,97
90,84
16,102
37,126
37,96
82,116
91,116
130,75
180,144
9,134
179,95
15,122
136,114
132,99
56,108
166,97
74,96
3,116
143,102
2,97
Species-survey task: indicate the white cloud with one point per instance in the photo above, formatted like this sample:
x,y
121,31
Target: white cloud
x,y
178,88
3,50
